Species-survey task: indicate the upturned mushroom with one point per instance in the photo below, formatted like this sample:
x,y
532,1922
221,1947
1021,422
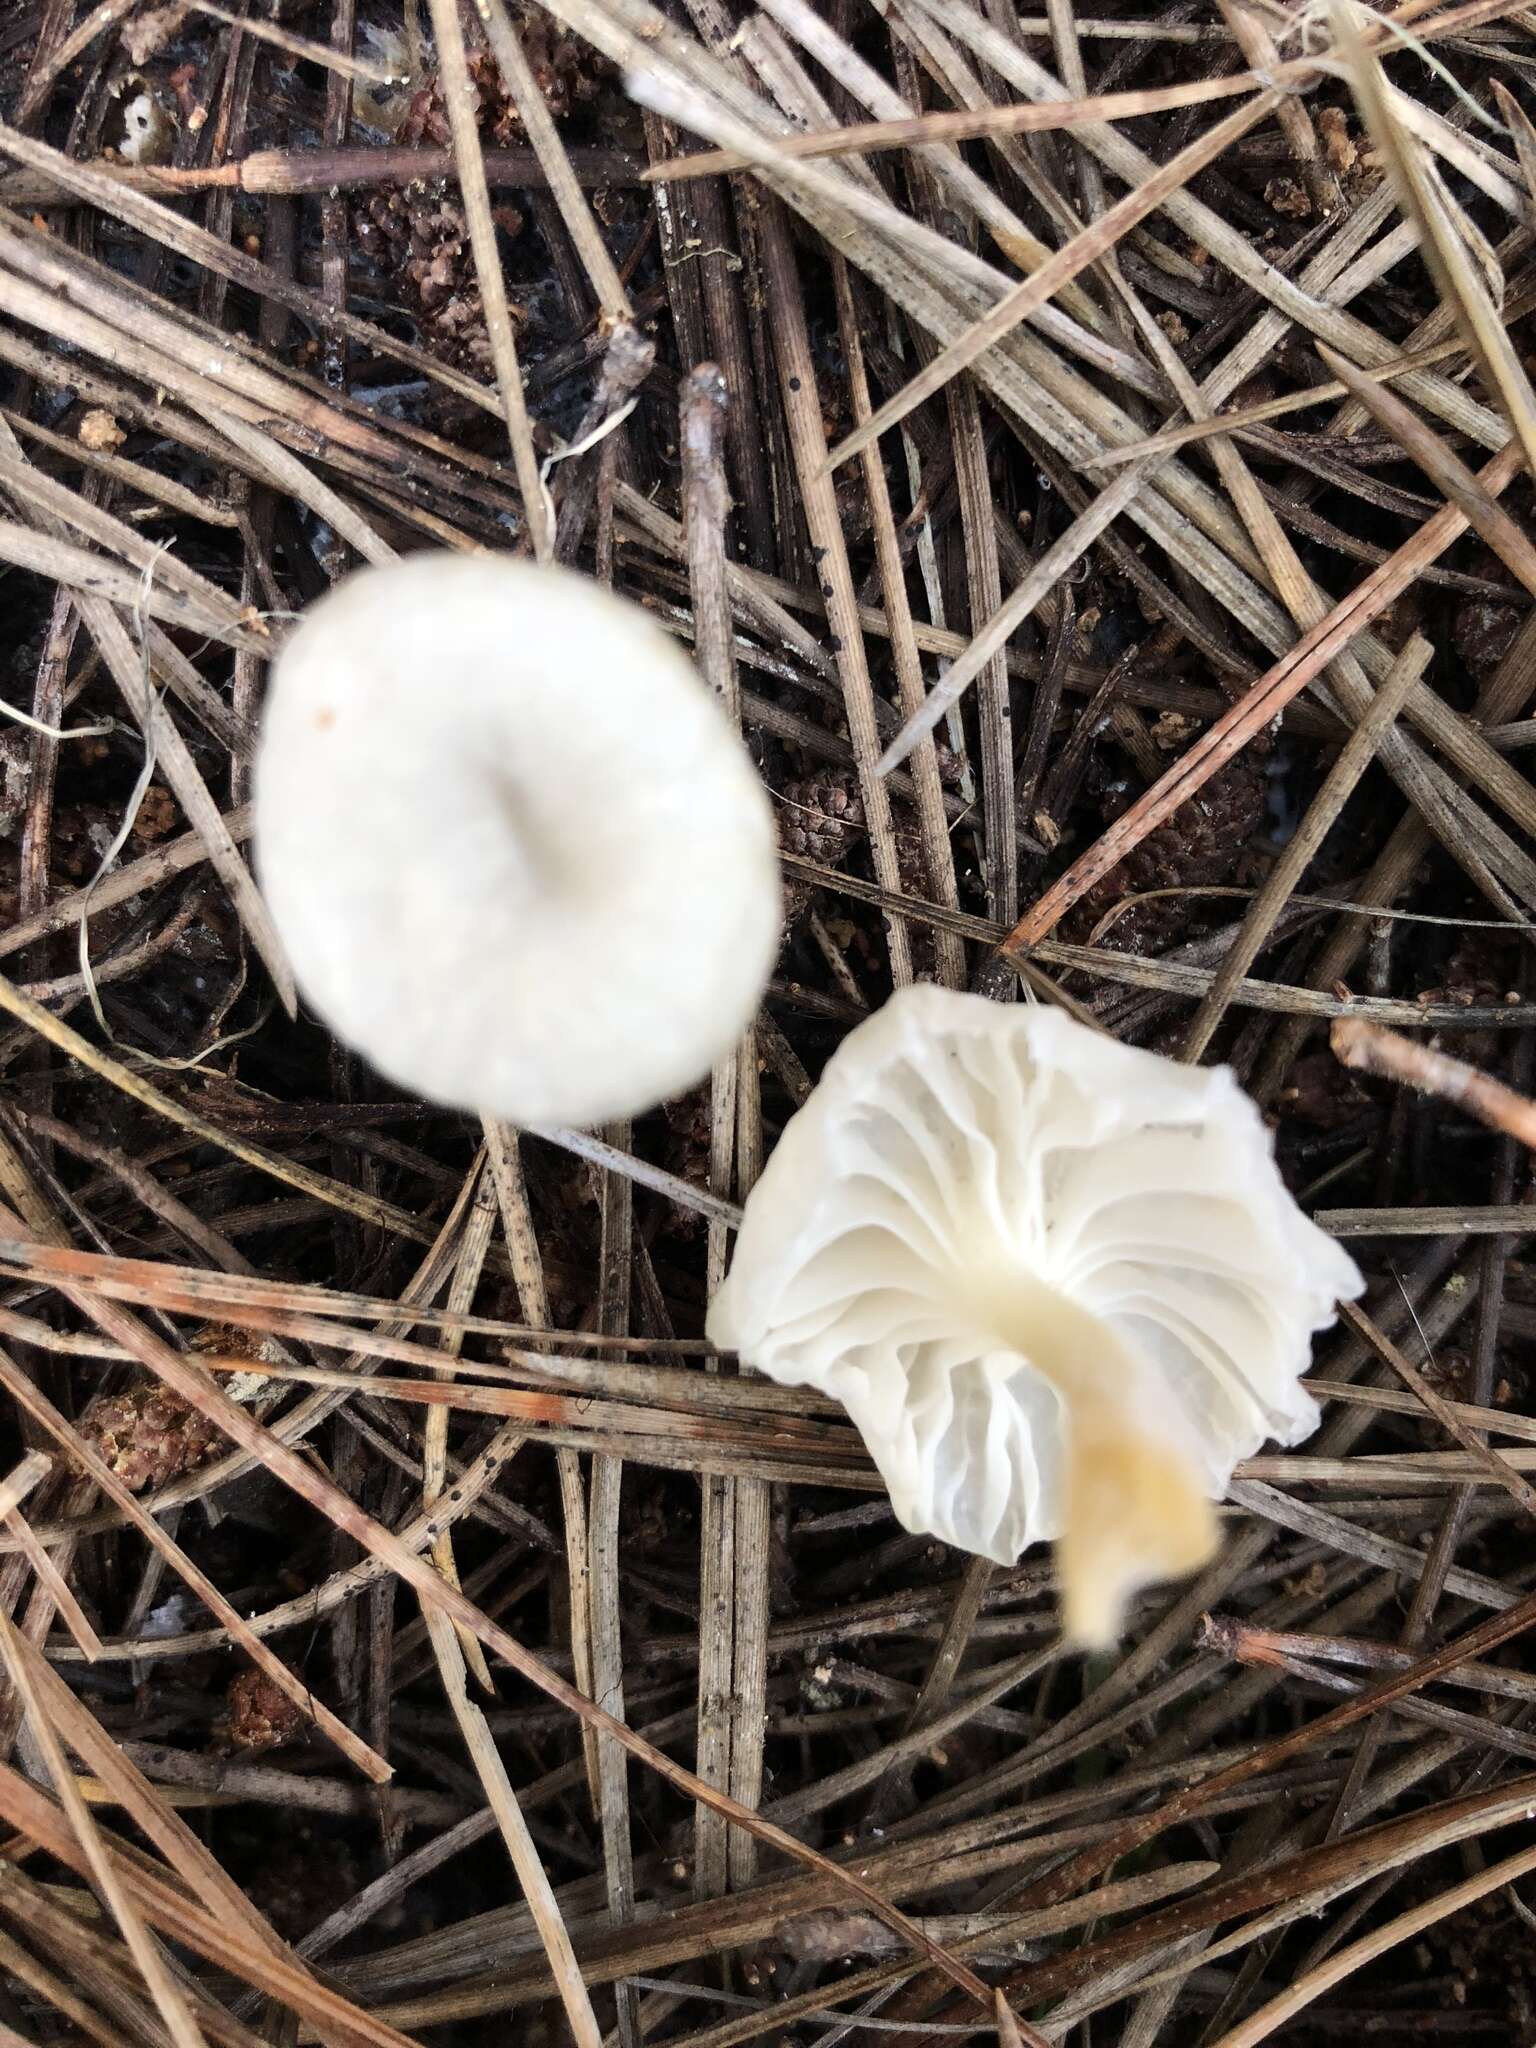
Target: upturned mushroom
x,y
517,855
1057,1282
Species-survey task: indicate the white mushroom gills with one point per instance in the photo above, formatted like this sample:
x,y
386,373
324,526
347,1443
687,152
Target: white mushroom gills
x,y
517,855
1057,1282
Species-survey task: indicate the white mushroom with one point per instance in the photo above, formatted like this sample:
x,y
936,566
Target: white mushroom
x,y
1057,1282
517,855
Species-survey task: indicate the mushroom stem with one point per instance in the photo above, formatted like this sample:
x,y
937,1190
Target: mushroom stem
x,y
1134,1510
1135,1513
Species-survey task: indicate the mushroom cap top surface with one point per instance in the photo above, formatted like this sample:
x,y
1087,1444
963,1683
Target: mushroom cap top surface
x,y
990,1223
518,856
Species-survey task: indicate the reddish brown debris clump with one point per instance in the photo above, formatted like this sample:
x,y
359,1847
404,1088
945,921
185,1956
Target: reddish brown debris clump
x,y
1483,972
820,817
149,1436
1339,146
232,1341
260,1716
565,71
421,238
1201,846
1288,196
157,815
419,235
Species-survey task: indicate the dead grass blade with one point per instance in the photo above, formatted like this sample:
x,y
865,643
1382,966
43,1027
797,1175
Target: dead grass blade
x,y
75,1447
121,1780
52,64
130,670
59,1993
169,1999
965,126
1291,674
327,1499
255,1303
1299,1882
1523,134
938,851
1322,814
996,632
1080,1869
57,1586
448,29
1423,202
1035,290
504,1157
1442,466
1498,1468
298,480
301,48
181,1919
1174,438
83,569
506,46
107,186
356,1201
1299,1995
22,1477
502,1800
808,445
732,1088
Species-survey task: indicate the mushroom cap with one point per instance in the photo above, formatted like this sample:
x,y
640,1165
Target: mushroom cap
x,y
989,1223
518,856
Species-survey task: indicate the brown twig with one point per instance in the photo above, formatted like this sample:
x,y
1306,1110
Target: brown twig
x,y
290,173
1372,1049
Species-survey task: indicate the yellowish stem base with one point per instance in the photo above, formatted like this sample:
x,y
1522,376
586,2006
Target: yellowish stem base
x,y
1135,1513
1134,1508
